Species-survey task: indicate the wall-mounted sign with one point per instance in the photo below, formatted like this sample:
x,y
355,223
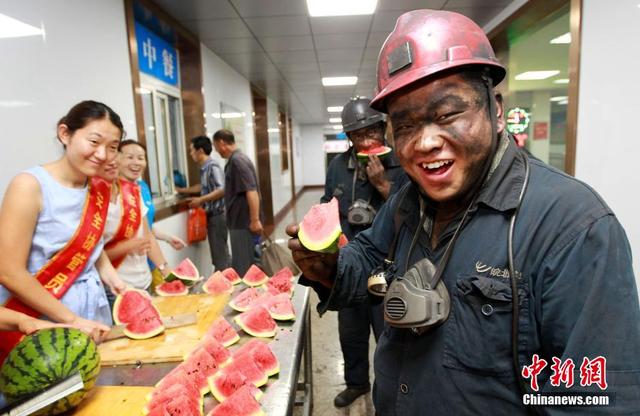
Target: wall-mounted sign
x,y
156,57
540,130
517,120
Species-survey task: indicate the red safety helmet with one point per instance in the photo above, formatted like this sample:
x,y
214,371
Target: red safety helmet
x,y
426,42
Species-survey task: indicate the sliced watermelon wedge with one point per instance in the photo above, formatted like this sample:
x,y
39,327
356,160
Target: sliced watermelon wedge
x,y
222,331
133,308
173,288
262,355
248,368
224,383
284,271
232,275
257,322
255,276
320,228
244,299
280,284
200,366
240,403
185,271
217,284
220,354
279,306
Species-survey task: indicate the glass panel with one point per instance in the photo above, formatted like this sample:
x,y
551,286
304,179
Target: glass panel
x,y
178,156
162,135
152,153
536,91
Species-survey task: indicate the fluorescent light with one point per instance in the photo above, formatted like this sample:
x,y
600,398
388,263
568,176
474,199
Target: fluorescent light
x,y
143,91
334,81
340,7
231,115
561,81
335,120
215,115
12,28
335,109
536,75
273,130
559,98
336,127
563,102
566,38
14,104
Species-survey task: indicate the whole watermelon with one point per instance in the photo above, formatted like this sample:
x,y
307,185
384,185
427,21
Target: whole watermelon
x,y
45,358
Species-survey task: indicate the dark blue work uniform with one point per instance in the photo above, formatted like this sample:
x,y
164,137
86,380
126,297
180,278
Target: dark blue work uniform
x,y
354,321
578,298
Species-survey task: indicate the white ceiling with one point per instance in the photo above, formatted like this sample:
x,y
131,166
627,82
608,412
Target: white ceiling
x,y
284,52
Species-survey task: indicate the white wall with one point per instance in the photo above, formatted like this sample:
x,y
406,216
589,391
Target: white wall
x,y
221,83
82,55
313,156
607,146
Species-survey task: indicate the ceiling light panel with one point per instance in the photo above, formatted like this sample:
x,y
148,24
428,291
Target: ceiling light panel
x,y
337,81
319,8
536,75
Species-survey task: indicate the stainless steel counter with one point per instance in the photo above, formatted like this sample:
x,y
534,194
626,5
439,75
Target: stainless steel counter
x,y
291,343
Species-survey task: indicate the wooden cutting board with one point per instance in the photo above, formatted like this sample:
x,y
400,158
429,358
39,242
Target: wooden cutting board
x,y
113,400
174,343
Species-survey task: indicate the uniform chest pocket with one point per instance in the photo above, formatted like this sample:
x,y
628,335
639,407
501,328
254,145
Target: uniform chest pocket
x,y
478,333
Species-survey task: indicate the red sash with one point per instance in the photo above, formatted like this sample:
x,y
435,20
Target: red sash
x,y
59,273
130,217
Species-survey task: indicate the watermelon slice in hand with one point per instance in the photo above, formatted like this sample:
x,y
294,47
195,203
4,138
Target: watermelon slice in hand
x,y
173,288
255,276
185,271
257,322
217,284
320,228
133,307
223,332
232,275
380,151
240,403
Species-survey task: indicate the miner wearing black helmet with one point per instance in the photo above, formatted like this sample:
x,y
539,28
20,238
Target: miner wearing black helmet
x,y
507,286
361,185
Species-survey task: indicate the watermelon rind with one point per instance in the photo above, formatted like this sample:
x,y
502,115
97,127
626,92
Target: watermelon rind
x,y
259,312
170,289
47,357
185,271
144,319
255,276
320,228
380,151
224,383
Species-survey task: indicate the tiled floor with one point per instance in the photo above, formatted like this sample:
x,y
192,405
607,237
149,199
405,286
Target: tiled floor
x,y
328,373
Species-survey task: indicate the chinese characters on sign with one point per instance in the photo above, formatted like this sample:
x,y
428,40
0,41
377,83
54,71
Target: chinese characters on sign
x,y
156,57
591,372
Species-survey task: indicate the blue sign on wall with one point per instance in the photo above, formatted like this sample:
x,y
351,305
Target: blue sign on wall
x,y
156,57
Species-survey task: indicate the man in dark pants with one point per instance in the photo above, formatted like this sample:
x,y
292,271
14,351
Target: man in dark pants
x,y
369,182
242,200
487,312
211,190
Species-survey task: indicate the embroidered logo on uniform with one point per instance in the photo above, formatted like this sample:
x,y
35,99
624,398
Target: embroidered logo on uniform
x,y
495,271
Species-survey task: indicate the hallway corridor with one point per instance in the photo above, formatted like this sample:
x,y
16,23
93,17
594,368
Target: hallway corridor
x,y
328,371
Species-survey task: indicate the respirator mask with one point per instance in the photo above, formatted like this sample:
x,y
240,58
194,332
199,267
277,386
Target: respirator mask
x,y
419,299
361,213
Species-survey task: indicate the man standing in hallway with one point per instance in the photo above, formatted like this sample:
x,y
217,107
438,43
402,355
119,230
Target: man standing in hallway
x,y
242,200
211,190
507,281
361,187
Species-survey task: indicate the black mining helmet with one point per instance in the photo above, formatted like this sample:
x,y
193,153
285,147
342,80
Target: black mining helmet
x,y
357,114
